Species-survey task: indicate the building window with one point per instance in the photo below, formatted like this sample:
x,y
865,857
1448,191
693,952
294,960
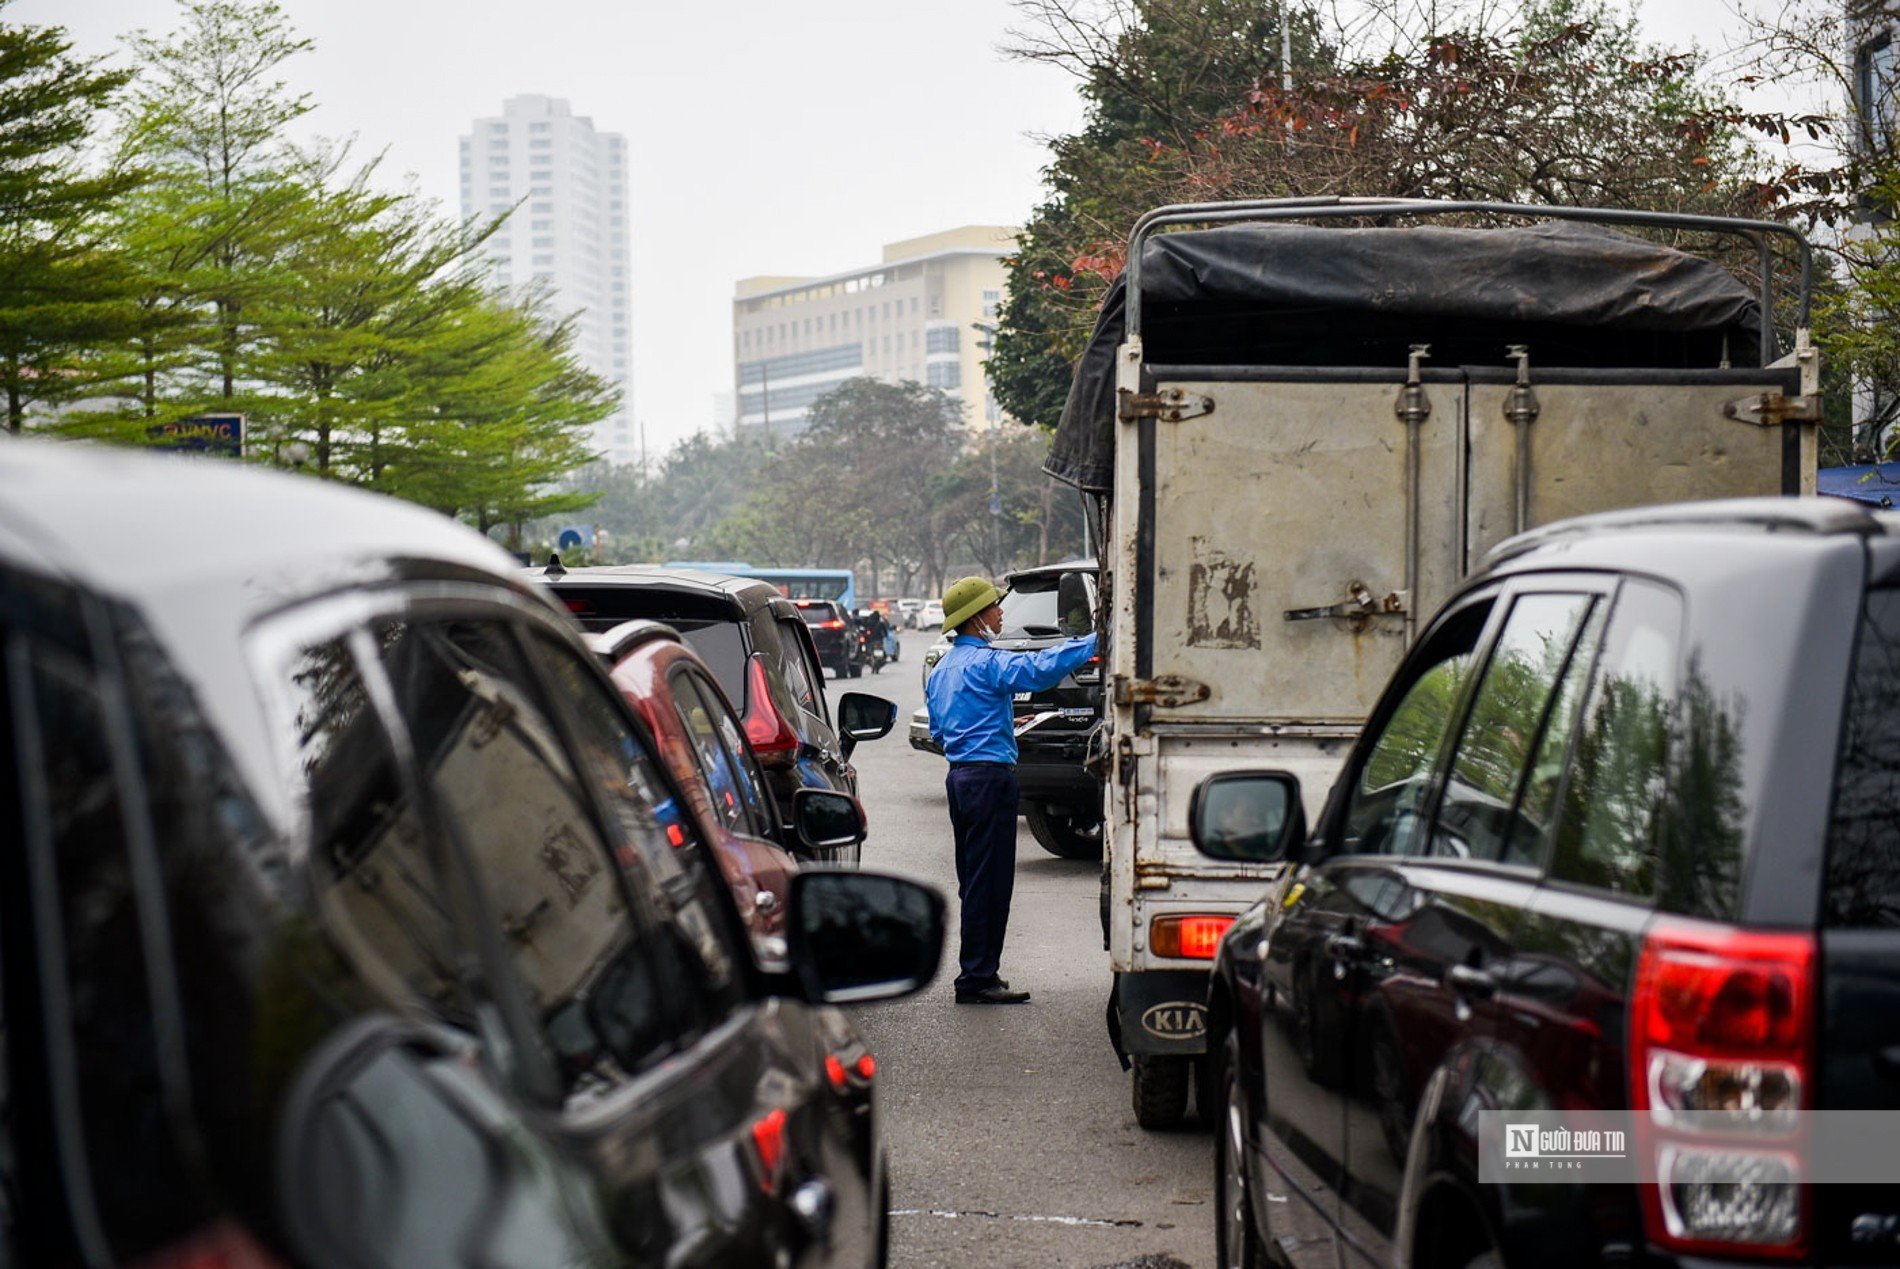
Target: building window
x,y
542,207
544,262
498,143
944,374
943,339
540,143
544,243
992,304
913,306
538,127
1874,67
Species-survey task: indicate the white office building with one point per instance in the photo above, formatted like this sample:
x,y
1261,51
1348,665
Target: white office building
x,y
924,313
568,234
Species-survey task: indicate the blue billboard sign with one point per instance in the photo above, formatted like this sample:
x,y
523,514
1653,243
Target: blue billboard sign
x,y
221,434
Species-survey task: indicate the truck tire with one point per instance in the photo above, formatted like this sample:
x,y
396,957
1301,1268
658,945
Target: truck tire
x,y
1160,1087
1062,832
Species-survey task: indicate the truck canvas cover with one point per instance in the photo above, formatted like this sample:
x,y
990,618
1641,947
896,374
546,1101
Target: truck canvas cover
x,y
1301,295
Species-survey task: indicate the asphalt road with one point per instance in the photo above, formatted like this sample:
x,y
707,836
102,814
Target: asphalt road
x,y
1011,1135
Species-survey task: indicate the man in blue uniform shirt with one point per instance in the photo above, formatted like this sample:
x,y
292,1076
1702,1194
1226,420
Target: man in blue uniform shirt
x,y
970,693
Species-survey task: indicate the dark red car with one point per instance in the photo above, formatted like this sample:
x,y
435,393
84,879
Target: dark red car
x,y
702,743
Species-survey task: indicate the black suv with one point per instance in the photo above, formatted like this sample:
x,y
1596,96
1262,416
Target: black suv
x,y
1623,834
836,635
341,921
757,645
1061,799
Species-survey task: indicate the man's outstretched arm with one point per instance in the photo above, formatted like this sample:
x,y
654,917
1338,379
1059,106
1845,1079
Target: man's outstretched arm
x,y
1034,671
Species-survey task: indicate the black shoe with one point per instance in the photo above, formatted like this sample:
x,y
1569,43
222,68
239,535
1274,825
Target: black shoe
x,y
1000,994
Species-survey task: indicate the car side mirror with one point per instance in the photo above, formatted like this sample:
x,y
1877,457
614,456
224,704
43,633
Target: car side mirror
x,y
858,936
862,716
826,819
1248,817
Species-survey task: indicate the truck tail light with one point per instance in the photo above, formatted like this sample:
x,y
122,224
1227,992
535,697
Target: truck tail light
x,y
1194,938
1721,1048
772,738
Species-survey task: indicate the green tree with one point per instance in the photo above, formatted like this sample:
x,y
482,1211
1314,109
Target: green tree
x,y
210,113
63,289
1560,101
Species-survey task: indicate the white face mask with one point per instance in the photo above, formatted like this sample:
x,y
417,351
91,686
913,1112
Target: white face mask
x,y
988,632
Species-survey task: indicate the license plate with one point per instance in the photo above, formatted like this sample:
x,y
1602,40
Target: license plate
x,y
1023,696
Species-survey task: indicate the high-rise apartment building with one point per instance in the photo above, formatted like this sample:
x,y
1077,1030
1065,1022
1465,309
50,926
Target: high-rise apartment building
x,y
921,314
568,234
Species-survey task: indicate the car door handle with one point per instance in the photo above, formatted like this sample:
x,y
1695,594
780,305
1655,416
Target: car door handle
x,y
1345,947
1469,980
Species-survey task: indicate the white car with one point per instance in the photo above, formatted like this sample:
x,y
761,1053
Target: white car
x,y
930,616
906,612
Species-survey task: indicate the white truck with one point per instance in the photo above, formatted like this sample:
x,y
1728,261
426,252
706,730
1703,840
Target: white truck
x,y
1304,424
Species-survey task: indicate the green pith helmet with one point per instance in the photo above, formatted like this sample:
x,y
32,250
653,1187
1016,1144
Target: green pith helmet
x,y
965,598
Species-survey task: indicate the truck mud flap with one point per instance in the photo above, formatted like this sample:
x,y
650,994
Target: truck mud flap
x,y
1159,1012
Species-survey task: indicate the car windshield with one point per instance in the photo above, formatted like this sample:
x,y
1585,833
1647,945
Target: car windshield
x,y
817,614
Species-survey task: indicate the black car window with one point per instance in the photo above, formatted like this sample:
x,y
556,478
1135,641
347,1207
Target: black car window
x,y
98,1050
721,778
1615,789
1383,811
1863,847
518,812
662,859
1477,810
372,877
800,672
1529,842
721,645
751,781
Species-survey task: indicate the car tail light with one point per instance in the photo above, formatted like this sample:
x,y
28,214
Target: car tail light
x,y
867,1067
831,625
222,1245
1192,938
1721,1048
771,736
768,1138
835,1072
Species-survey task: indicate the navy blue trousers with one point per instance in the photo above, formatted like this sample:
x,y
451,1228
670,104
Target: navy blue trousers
x,y
983,817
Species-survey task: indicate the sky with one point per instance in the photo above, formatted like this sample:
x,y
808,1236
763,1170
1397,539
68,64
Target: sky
x,y
765,136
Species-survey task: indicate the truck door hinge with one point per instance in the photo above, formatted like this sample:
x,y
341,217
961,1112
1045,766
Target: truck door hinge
x,y
1170,406
1359,607
1169,691
1771,409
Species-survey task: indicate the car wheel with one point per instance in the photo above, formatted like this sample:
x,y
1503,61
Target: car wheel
x,y
857,671
1161,1091
1237,1244
1063,832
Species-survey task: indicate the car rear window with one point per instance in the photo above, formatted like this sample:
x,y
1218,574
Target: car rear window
x,y
1863,850
721,645
600,608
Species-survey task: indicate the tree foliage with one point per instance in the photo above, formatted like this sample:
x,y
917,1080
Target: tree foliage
x,y
350,323
884,479
1559,101
63,287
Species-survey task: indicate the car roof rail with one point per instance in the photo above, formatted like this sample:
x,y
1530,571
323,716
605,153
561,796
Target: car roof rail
x,y
615,642
1797,515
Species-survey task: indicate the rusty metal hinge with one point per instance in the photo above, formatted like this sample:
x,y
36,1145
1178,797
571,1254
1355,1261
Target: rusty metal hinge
x,y
1771,409
1169,691
1358,608
1170,406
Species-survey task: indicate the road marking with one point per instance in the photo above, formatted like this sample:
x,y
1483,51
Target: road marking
x,y
949,1214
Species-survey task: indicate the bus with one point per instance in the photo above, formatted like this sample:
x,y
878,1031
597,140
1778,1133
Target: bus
x,y
794,583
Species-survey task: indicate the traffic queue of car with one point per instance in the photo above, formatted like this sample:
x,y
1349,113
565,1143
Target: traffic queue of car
x,y
1622,836
361,909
